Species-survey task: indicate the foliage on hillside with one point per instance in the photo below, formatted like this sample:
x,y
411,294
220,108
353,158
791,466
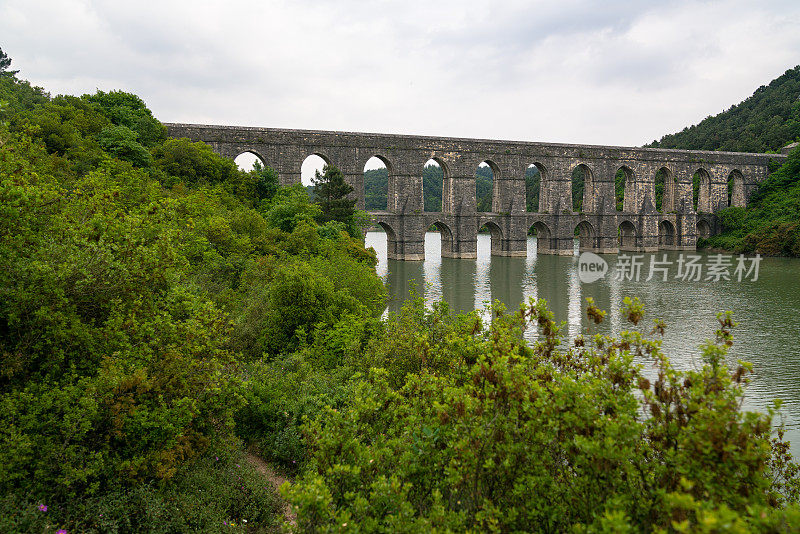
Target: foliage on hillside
x,y
138,274
766,121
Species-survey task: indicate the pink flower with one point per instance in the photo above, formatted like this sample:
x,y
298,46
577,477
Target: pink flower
x,y
61,531
42,507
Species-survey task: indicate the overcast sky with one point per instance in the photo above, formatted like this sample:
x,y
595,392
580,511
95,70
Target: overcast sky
x,y
611,72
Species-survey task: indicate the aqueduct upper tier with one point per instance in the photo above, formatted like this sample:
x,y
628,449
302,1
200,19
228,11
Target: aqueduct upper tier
x,y
696,184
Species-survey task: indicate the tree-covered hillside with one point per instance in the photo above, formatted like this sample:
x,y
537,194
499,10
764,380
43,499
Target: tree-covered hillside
x,y
767,121
140,278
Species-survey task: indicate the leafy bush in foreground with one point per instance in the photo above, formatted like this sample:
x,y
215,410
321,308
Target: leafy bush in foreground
x,y
221,493
489,434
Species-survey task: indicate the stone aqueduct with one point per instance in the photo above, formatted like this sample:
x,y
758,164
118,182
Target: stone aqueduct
x,y
639,227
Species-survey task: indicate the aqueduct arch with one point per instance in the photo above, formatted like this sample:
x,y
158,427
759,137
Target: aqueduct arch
x,y
446,235
666,234
585,232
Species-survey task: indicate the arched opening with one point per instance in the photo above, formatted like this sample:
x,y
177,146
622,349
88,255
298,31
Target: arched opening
x,y
703,229
376,184
736,189
446,237
666,234
246,161
582,189
701,191
495,234
544,244
433,185
391,239
534,175
584,233
376,237
485,179
665,190
313,164
627,236
624,190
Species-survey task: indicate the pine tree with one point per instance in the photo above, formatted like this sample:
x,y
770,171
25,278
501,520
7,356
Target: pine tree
x,y
330,194
5,63
267,183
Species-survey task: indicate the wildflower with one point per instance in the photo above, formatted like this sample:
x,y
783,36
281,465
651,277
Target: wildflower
x,y
42,507
61,531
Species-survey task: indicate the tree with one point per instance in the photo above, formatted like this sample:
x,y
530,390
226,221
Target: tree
x,y
123,143
193,162
330,193
5,63
266,181
289,207
127,109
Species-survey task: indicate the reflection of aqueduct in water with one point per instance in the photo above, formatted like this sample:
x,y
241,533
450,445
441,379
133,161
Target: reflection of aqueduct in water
x,y
638,226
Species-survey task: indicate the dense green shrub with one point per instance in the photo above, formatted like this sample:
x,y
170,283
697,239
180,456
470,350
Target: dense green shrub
x,y
551,437
121,282
128,110
193,162
290,207
122,143
220,493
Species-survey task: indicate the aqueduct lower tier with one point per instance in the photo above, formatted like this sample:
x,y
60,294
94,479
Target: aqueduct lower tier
x,y
600,226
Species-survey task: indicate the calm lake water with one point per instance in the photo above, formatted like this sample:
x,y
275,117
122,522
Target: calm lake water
x,y
767,310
